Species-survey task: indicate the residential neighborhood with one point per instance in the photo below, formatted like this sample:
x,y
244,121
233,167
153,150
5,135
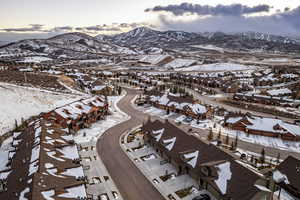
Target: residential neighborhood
x,y
149,100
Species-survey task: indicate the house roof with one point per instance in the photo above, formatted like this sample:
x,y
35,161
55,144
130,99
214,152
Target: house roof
x,y
196,154
290,167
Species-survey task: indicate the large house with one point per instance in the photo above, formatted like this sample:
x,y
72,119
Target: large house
x,y
183,105
212,168
263,126
44,164
79,114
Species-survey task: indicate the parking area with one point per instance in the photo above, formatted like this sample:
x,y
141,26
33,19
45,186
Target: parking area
x,y
99,183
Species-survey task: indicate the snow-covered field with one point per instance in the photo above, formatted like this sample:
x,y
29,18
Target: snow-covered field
x,y
18,102
178,63
98,128
218,67
35,59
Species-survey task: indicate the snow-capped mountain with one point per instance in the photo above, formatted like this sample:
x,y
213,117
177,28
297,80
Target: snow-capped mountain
x,y
145,38
72,45
268,37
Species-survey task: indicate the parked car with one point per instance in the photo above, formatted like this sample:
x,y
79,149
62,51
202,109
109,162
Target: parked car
x,y
202,197
188,119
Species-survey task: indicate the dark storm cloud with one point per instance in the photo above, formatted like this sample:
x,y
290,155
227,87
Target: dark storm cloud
x,y
282,22
234,9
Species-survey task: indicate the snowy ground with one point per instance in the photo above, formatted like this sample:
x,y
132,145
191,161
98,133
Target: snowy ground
x,y
218,67
35,59
97,129
18,102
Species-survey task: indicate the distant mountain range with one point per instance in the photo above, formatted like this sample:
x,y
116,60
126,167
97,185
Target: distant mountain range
x,y
69,45
145,40
145,37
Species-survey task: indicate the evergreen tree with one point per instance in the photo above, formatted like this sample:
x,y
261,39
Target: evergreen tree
x,y
210,136
227,139
278,158
263,156
236,141
219,135
232,146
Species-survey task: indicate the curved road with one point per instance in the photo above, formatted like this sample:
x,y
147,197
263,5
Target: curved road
x,y
131,183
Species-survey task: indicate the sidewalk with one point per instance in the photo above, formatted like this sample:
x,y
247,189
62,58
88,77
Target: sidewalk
x,y
99,181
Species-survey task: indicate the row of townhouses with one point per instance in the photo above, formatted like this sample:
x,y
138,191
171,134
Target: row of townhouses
x,y
44,162
217,171
263,126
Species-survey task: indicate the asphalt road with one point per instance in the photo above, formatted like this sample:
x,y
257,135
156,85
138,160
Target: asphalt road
x,y
131,183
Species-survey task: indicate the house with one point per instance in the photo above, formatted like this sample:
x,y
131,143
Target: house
x,y
44,165
79,114
212,168
183,105
287,178
98,87
269,127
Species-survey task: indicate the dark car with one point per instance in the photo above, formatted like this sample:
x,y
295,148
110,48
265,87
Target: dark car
x,y
202,197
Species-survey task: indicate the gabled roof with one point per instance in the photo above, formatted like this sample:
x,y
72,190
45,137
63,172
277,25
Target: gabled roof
x,y
290,167
195,154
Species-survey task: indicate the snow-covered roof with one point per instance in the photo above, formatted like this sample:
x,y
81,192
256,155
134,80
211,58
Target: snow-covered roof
x,y
224,175
192,158
158,134
277,92
233,120
198,108
78,108
169,143
279,177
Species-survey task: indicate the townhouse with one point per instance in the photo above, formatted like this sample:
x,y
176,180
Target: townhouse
x,y
212,168
43,161
79,114
183,105
256,125
44,164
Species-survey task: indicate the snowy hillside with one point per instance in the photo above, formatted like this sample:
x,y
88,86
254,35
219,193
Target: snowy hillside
x,y
73,45
18,102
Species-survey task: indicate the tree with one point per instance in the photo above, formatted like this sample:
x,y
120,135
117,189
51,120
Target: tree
x,y
227,139
119,90
278,158
236,141
219,135
262,155
210,136
232,146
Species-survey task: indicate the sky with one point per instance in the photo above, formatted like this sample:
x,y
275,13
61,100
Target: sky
x,y
22,19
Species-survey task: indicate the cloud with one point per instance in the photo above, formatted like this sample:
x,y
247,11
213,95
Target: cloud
x,y
202,10
31,28
40,31
233,20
